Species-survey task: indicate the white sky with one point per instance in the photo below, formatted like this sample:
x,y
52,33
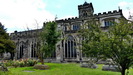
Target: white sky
x,y
20,14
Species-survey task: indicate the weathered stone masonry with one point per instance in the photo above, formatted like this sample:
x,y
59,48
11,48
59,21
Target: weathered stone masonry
x,y
68,49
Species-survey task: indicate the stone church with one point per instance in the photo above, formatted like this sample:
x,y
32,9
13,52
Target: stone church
x,y
67,49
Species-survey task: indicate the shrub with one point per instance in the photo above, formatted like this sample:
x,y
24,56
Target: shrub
x,y
20,63
16,64
27,62
31,62
9,63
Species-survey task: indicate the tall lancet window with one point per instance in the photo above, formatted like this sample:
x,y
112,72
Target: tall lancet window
x,y
70,48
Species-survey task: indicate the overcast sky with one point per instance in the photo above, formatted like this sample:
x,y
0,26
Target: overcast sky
x,y
22,14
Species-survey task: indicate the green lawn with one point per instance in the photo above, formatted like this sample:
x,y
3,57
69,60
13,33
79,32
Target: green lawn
x,y
61,69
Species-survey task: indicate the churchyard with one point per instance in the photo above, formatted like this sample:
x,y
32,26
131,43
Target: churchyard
x,y
26,67
94,43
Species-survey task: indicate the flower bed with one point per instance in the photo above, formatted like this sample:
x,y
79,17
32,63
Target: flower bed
x,y
20,63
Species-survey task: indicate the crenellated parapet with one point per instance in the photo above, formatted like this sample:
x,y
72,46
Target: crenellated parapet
x,y
109,13
85,5
25,34
67,19
85,10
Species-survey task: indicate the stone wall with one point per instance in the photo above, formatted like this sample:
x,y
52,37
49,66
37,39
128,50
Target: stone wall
x,y
67,49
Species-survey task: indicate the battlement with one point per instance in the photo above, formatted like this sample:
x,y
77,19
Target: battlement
x,y
109,13
25,34
67,19
63,20
85,5
73,18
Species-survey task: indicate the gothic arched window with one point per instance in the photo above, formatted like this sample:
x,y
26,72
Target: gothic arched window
x,y
70,48
108,22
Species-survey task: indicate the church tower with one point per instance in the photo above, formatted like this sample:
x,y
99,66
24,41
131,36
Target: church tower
x,y
85,10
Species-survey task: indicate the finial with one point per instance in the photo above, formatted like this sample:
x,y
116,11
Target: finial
x,y
130,16
119,7
85,2
56,17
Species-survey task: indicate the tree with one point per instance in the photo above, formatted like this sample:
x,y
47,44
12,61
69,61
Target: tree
x,y
91,33
116,43
49,37
6,45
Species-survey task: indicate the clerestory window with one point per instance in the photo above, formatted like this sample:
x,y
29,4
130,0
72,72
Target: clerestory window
x,y
76,27
108,22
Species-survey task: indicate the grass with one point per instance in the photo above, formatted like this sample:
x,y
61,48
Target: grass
x,y
61,69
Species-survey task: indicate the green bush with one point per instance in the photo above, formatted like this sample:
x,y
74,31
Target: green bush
x,y
27,62
15,64
9,63
31,62
20,63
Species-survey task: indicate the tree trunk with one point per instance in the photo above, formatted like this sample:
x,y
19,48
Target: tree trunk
x,y
41,59
123,71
